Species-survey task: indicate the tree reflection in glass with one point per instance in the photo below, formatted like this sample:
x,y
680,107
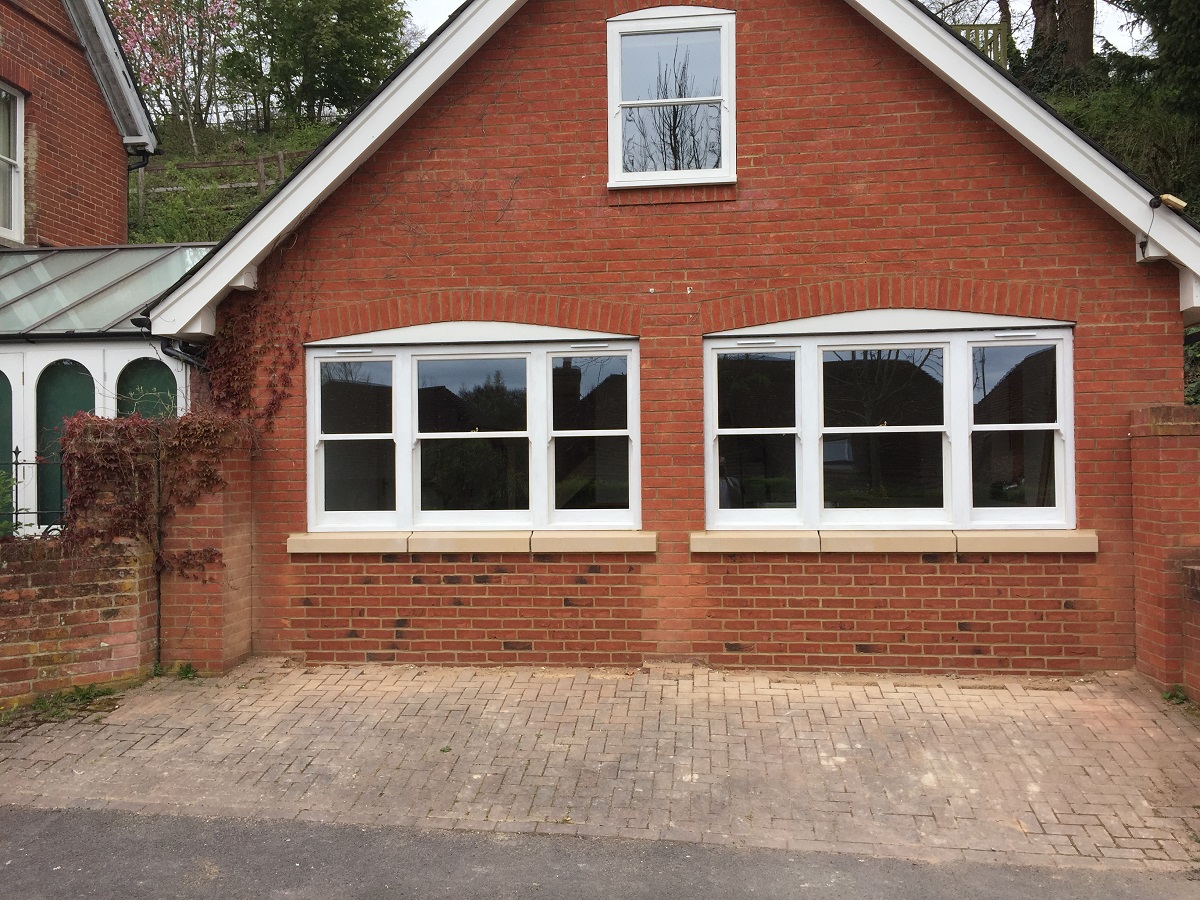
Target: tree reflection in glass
x,y
590,395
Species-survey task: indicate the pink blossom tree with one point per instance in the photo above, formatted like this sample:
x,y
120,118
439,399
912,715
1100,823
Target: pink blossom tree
x,y
176,48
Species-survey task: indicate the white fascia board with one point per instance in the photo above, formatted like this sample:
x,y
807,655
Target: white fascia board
x,y
113,75
1052,141
335,162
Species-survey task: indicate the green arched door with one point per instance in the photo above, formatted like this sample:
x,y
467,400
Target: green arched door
x,y
64,388
147,387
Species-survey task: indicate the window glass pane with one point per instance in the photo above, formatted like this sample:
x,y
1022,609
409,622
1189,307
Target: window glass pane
x,y
8,125
475,473
1012,468
883,470
757,471
756,390
671,65
1015,384
360,475
589,392
471,395
591,473
7,182
356,396
884,386
673,137
147,387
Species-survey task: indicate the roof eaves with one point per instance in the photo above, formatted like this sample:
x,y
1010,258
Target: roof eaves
x,y
363,132
113,74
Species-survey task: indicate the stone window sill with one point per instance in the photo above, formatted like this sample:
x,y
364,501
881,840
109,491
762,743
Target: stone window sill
x,y
1032,541
473,542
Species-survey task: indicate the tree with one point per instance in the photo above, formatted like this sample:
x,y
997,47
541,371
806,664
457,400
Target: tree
x,y
176,48
309,58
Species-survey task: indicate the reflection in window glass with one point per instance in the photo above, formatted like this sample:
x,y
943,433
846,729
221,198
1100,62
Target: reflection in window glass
x,y
356,397
660,72
1012,468
147,387
1014,385
756,390
8,157
756,471
360,475
589,392
893,386
464,395
883,470
591,473
482,473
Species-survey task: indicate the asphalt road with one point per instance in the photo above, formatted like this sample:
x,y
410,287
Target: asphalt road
x,y
83,853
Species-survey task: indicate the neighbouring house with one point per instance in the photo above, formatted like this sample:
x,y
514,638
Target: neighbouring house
x,y
70,119
71,125
785,333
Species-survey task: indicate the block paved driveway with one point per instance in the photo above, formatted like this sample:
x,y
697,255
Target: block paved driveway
x,y
1097,771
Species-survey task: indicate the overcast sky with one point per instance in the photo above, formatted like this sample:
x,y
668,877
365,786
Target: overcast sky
x,y
429,14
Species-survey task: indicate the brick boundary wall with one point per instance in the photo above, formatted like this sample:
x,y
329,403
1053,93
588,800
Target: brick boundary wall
x,y
68,620
1165,442
206,619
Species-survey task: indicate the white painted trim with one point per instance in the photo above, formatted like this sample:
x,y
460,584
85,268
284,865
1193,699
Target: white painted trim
x,y
17,231
1042,132
865,321
407,516
957,511
360,137
119,91
462,332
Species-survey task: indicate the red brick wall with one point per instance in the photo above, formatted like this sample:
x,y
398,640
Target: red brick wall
x,y
75,180
73,620
1191,632
863,182
206,615
1166,483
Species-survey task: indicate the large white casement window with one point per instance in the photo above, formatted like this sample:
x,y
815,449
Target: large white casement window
x,y
937,429
671,97
474,437
12,143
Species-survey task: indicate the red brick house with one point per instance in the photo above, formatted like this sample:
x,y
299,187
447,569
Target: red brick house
x,y
70,117
784,333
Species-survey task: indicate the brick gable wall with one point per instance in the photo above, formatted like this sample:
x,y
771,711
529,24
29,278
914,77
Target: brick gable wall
x,y
75,180
863,182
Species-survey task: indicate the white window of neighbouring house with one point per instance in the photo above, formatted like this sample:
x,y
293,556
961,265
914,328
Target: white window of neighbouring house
x,y
671,97
12,193
956,429
474,436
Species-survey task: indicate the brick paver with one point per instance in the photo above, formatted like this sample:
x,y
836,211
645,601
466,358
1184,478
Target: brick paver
x,y
1084,772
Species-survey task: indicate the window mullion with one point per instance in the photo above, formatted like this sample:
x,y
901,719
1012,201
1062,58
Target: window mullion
x,y
809,393
538,413
404,426
960,397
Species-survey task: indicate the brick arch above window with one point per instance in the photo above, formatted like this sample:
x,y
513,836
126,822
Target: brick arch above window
x,y
1006,298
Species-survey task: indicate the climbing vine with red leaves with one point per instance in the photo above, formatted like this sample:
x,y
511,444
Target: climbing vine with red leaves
x,y
125,476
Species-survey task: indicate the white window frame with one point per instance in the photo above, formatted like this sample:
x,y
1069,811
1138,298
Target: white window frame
x,y
541,515
669,19
17,232
957,512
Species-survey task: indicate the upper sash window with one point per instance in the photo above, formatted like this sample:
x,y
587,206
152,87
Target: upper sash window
x,y
671,97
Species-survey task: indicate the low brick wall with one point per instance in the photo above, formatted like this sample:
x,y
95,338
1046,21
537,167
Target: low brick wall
x,y
66,620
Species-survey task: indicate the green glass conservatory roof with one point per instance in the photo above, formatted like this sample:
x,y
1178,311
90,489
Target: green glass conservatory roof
x,y
86,291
